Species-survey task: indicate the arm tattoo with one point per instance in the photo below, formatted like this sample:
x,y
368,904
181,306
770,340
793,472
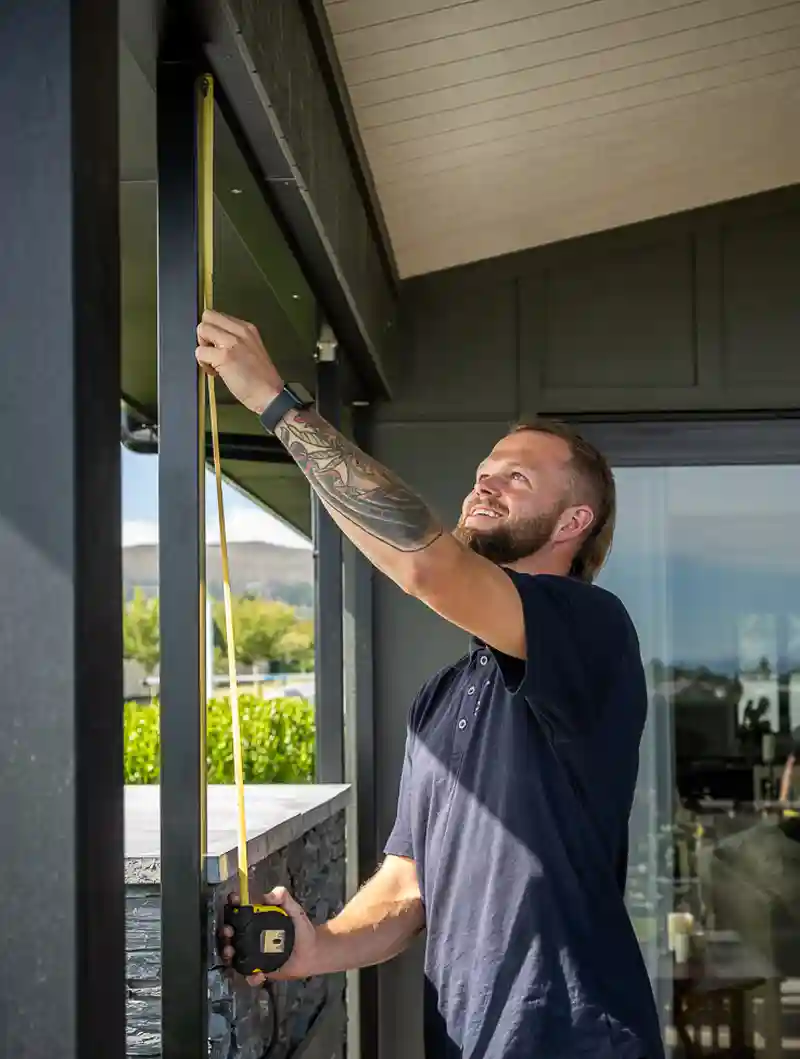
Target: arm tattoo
x,y
355,485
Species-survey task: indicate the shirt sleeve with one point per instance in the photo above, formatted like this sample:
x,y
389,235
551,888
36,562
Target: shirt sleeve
x,y
400,841
576,636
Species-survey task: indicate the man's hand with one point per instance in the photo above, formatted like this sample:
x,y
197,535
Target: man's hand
x,y
374,926
233,350
301,964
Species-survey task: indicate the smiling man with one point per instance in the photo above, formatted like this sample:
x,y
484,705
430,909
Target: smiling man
x,y
510,842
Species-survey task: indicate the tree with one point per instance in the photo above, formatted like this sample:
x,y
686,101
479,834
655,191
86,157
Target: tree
x,y
260,629
264,631
140,630
297,647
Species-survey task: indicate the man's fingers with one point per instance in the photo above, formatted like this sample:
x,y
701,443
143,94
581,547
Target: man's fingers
x,y
228,324
256,979
212,335
227,932
281,896
209,358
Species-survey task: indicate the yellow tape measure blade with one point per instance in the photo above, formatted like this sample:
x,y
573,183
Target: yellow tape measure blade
x,y
206,223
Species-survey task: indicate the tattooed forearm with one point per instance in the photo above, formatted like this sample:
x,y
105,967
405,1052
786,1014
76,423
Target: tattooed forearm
x,y
358,487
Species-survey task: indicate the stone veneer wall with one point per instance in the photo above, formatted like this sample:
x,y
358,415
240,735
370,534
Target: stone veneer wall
x,y
242,1023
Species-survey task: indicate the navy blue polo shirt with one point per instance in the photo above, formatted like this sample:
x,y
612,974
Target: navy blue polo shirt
x,y
514,800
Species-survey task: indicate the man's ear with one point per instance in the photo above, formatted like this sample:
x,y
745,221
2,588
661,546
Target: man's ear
x,y
575,522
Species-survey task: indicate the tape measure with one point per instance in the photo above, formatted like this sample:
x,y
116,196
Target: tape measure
x,y
263,935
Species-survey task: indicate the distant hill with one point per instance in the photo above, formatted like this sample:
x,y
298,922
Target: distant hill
x,y
266,570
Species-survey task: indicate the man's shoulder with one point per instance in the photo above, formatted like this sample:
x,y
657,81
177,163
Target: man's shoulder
x,y
570,592
588,616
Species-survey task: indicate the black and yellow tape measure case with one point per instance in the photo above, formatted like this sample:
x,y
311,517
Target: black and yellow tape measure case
x,y
263,937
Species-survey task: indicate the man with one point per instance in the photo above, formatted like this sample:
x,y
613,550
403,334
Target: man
x,y
510,842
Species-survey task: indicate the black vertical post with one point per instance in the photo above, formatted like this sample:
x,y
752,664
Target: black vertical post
x,y
181,414
328,601
62,975
361,706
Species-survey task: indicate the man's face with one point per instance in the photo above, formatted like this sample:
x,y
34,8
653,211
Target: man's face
x,y
521,491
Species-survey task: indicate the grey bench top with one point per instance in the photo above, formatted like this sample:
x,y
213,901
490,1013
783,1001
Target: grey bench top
x,y
276,815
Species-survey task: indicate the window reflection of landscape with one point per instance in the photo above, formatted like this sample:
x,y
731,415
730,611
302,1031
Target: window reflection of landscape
x,y
706,560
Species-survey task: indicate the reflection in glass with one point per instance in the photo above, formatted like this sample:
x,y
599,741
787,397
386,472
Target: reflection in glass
x,y
706,560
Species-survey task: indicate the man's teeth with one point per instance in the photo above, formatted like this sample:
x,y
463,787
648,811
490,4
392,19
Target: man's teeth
x,y
485,511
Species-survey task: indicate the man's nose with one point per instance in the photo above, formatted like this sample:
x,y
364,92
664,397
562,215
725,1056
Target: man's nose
x,y
488,486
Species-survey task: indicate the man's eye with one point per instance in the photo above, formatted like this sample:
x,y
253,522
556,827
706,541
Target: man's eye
x,y
518,476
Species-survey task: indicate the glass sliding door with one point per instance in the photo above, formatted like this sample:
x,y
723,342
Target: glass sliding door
x,y
707,560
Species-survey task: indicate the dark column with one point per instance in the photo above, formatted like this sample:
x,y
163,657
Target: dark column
x,y
361,742
62,975
181,564
329,683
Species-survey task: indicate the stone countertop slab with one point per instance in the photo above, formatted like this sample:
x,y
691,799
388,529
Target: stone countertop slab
x,y
276,815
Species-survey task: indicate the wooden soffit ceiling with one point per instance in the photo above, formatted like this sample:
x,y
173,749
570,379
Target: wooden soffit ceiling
x,y
495,125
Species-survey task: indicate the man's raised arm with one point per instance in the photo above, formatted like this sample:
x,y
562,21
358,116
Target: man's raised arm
x,y
383,517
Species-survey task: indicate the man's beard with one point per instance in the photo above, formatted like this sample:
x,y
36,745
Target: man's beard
x,y
510,540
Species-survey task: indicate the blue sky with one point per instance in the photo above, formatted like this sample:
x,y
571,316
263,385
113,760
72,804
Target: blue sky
x,y
244,520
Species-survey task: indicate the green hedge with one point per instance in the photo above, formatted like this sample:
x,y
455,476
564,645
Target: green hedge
x,y
277,741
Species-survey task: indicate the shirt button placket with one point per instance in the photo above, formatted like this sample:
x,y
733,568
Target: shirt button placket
x,y
483,660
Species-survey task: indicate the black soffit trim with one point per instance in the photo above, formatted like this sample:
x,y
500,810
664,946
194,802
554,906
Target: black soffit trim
x,y
140,435
698,440
240,98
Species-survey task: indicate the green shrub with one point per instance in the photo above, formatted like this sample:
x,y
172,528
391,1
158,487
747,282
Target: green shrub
x,y
277,741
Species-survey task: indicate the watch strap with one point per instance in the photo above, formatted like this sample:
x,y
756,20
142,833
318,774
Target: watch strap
x,y
286,400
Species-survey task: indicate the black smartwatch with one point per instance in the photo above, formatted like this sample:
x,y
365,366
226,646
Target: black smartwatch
x,y
291,396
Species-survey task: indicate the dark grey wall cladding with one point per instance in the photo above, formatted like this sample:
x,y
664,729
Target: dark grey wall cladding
x,y
277,36
695,312
243,1023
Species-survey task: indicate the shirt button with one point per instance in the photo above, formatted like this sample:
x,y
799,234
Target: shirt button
x,y
483,660
462,724
471,689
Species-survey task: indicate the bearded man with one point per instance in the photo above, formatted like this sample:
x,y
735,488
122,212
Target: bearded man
x,y
510,843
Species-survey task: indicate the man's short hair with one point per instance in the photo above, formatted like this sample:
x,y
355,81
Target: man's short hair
x,y
592,484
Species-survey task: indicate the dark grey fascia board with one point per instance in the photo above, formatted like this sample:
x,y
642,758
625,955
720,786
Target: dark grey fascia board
x,y
248,96
322,39
363,331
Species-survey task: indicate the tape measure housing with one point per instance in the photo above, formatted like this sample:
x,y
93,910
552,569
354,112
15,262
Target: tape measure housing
x,y
263,937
